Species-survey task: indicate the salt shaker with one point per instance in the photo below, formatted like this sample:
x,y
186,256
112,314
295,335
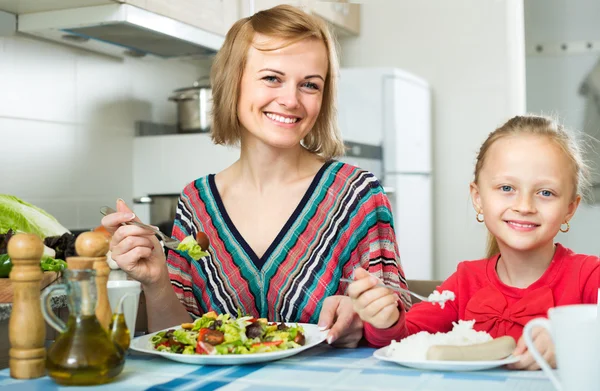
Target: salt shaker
x,y
26,328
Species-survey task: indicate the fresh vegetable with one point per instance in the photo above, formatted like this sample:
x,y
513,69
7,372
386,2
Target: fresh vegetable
x,y
202,240
222,334
21,216
192,247
47,264
53,265
63,245
5,265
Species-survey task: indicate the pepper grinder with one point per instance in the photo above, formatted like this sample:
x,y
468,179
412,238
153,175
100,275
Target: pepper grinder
x,y
26,328
93,246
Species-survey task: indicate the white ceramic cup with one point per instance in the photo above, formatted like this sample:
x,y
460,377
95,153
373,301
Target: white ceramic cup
x,y
119,288
575,330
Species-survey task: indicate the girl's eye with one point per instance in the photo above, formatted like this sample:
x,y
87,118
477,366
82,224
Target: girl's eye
x,y
546,193
506,188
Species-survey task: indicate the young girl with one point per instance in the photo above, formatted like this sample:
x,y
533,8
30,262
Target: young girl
x,y
529,177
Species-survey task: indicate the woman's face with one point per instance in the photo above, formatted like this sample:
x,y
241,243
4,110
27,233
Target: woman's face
x,y
282,91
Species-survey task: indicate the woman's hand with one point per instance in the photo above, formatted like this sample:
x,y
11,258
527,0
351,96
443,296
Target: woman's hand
x,y
543,343
344,325
136,250
375,305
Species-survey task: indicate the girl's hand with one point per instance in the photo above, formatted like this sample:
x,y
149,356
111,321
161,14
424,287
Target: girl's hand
x,y
544,345
375,305
136,250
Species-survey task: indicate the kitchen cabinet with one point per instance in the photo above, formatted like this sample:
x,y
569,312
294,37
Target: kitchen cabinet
x,y
343,16
215,16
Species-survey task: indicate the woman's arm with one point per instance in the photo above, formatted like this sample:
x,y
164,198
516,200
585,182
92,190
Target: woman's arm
x,y
162,305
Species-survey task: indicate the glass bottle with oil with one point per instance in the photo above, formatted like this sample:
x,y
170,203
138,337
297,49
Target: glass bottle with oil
x,y
83,353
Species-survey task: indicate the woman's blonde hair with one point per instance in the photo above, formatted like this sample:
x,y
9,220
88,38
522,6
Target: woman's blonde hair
x,y
291,25
544,127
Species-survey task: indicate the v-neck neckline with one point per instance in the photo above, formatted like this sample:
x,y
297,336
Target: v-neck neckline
x,y
259,262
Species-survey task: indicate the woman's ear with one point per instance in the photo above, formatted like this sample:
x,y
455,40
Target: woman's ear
x,y
475,197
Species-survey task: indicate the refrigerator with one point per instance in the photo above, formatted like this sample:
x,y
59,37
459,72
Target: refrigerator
x,y
389,110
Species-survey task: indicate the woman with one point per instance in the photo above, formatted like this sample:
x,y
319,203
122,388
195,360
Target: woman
x,y
285,222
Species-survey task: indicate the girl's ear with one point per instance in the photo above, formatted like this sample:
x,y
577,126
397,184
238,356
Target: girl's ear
x,y
572,208
475,197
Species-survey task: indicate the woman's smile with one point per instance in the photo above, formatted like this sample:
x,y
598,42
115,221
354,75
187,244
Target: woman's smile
x,y
287,121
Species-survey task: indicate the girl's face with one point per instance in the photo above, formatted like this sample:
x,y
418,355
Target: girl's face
x,y
525,191
282,91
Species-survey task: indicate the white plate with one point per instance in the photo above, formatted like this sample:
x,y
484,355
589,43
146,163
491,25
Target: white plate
x,y
311,332
432,365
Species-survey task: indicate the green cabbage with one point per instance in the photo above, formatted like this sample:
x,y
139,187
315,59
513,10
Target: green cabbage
x,y
21,216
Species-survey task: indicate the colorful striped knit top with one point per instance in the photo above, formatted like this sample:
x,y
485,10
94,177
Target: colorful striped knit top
x,y
342,222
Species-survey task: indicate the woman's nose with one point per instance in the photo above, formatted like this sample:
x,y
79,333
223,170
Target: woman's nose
x,y
288,97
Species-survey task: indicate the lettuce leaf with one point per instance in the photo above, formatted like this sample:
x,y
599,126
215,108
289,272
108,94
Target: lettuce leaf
x,y
192,247
21,216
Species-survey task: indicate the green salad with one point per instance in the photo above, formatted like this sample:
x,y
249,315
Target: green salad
x,y
191,246
223,334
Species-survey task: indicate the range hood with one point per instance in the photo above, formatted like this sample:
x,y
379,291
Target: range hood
x,y
120,30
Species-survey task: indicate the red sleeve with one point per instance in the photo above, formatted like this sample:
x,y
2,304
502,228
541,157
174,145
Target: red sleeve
x,y
421,317
589,278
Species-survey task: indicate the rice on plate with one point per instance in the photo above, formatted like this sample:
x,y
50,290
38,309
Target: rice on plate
x,y
414,347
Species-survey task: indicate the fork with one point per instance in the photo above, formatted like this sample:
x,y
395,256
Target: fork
x,y
397,289
168,241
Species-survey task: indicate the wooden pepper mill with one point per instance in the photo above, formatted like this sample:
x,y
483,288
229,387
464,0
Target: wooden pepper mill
x,y
93,246
26,328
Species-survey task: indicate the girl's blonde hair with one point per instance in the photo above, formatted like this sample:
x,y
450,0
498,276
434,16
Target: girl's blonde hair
x,y
544,127
291,25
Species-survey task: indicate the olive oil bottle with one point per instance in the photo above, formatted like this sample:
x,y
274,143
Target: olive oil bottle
x,y
84,353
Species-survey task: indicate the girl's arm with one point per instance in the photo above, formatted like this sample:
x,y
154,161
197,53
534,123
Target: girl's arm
x,y
590,279
421,317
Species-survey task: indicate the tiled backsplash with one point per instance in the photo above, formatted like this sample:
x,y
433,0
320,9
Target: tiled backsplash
x,y
67,123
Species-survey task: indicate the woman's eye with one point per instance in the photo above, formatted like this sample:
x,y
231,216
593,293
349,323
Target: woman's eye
x,y
546,193
312,86
506,188
270,79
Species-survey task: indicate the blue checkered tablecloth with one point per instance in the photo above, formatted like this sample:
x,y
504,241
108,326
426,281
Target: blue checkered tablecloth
x,y
319,368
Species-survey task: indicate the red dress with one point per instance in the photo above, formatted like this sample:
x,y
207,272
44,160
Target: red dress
x,y
497,308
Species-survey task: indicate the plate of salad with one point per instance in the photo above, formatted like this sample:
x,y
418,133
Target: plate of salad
x,y
225,340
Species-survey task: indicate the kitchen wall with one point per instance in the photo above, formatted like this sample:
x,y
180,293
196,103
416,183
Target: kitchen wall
x,y
471,52
553,81
67,123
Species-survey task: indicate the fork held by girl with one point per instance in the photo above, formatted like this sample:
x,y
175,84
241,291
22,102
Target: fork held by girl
x,y
528,182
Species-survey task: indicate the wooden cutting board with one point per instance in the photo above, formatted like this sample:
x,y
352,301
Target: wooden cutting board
x,y
6,291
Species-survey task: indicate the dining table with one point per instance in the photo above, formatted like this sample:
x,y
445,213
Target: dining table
x,y
319,368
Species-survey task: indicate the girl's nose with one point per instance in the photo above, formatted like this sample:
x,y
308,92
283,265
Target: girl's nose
x,y
524,204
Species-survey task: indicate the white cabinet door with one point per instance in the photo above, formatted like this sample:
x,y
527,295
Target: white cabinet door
x,y
360,106
343,16
407,128
413,222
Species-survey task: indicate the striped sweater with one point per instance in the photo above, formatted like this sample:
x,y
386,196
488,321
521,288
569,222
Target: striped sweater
x,y
342,222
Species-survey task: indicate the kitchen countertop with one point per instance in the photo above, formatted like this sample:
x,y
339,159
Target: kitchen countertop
x,y
58,301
